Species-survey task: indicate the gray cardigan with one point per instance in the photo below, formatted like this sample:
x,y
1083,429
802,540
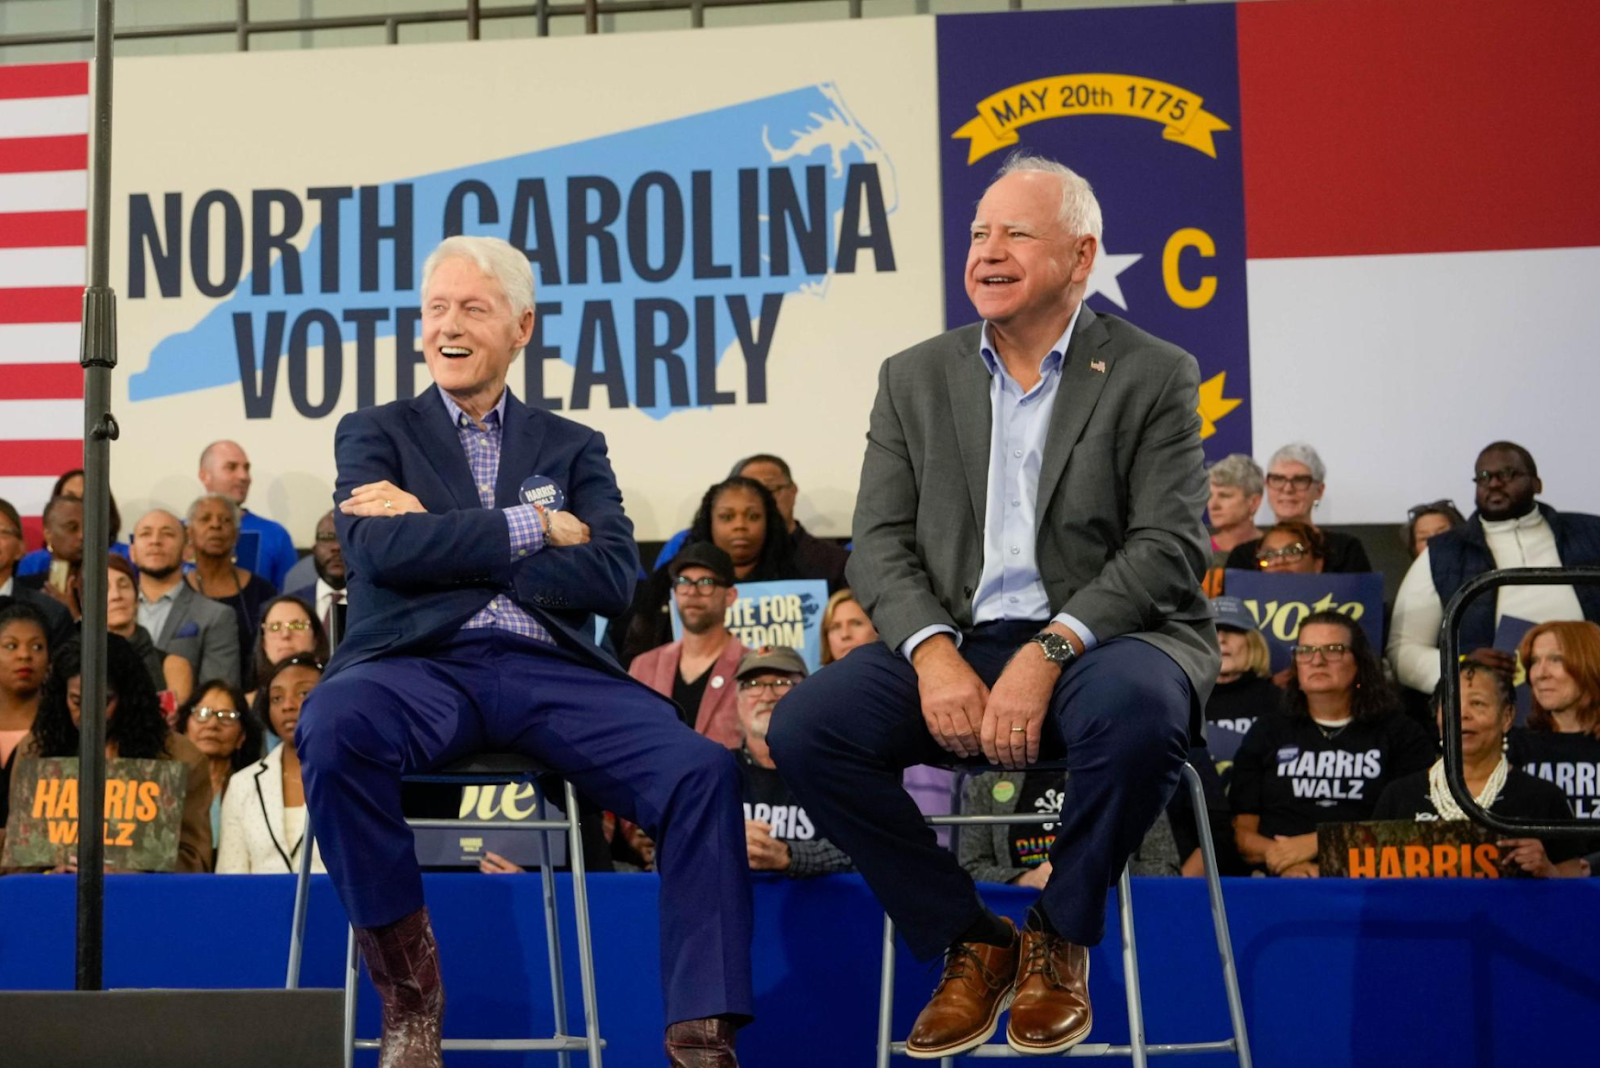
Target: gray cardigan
x,y
986,855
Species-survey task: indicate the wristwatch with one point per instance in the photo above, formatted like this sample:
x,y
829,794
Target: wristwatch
x,y
1057,649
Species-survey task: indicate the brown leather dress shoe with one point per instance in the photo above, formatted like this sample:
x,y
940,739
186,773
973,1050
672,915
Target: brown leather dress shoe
x,y
403,960
1050,1008
966,1005
704,1043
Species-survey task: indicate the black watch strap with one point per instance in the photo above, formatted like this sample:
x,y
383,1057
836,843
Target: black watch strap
x,y
1057,649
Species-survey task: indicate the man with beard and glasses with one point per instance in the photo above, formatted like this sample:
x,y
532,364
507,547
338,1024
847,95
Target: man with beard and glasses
x,y
182,622
1509,529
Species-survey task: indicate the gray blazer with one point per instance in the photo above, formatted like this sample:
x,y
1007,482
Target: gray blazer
x,y
204,633
1122,487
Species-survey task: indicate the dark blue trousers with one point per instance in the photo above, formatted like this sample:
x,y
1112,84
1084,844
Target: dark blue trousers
x,y
1119,717
620,745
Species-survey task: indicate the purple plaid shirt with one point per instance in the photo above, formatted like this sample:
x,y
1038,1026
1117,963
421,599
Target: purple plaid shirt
x,y
527,533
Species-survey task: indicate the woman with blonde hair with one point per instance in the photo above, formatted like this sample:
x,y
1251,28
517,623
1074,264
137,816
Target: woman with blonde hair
x,y
844,626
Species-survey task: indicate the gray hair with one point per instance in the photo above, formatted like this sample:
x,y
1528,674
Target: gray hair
x,y
1080,211
495,258
1300,453
232,505
1239,471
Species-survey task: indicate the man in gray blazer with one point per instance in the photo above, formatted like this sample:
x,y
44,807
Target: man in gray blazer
x,y
1028,544
181,621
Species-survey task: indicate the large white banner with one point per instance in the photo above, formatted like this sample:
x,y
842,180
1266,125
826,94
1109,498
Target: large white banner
x,y
729,229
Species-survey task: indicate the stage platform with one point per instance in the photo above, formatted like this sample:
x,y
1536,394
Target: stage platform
x,y
1334,972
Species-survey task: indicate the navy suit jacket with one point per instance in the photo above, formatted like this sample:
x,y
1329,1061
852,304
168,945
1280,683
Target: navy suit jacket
x,y
413,580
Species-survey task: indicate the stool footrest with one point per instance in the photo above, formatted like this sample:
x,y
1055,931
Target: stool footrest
x,y
1097,1049
505,1045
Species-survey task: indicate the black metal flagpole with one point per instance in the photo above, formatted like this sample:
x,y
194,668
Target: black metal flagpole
x,y
98,356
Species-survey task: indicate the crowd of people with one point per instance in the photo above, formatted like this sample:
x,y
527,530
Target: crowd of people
x,y
210,663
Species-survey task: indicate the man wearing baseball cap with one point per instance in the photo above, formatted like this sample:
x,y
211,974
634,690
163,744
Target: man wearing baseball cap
x,y
778,834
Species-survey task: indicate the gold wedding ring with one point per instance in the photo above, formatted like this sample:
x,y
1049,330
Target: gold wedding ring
x,y
388,504
1019,728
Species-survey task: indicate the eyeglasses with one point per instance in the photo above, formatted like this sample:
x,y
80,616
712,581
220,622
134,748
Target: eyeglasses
x,y
772,686
1301,483
1505,476
1292,551
703,584
205,713
1334,651
1438,507
293,624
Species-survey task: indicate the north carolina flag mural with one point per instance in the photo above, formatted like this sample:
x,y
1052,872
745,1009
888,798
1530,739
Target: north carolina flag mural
x,y
44,189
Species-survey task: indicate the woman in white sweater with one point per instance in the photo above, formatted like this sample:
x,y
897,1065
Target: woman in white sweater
x,y
264,811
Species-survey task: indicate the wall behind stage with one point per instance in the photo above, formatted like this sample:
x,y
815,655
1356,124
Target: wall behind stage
x,y
729,230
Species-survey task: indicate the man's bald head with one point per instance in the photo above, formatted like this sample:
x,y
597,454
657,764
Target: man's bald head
x,y
225,469
158,539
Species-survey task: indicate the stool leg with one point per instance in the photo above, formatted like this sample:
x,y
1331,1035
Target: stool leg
x,y
1219,915
886,994
1130,971
580,908
297,926
552,921
352,987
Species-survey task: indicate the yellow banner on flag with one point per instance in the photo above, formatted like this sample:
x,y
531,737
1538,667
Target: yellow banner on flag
x,y
1001,114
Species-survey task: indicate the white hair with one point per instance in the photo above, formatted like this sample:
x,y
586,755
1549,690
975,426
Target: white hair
x,y
1300,453
1080,211
1239,471
495,258
228,502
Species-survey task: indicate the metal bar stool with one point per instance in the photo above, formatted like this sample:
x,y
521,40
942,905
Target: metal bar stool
x,y
1137,1048
488,769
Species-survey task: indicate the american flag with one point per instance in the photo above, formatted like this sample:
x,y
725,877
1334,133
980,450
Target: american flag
x,y
44,190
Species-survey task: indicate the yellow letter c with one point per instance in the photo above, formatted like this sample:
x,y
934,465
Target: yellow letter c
x,y
1182,295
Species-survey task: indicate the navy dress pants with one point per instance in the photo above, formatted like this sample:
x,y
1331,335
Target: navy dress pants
x,y
1119,716
620,744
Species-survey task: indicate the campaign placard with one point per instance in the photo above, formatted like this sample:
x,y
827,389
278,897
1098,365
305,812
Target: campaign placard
x,y
776,613
464,845
1406,849
1279,602
143,813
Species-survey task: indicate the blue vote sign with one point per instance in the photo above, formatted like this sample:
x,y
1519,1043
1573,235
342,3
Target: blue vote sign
x,y
1279,602
537,489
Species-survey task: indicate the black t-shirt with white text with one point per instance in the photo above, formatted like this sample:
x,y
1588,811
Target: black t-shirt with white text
x,y
1571,761
768,798
1522,797
1294,776
1238,704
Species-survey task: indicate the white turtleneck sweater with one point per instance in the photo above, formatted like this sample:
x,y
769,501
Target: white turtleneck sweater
x,y
1418,609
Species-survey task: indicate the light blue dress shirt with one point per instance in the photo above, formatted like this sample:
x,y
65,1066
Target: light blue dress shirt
x,y
1010,586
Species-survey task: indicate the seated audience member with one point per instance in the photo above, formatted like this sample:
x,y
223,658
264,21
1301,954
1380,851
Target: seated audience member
x,y
1488,705
844,626
816,557
122,610
58,621
328,558
225,470
1328,757
738,516
220,724
1509,529
136,729
1426,520
264,812
61,578
1293,548
1236,484
1561,742
697,672
181,621
213,532
1294,489
779,836
287,627
24,659
1244,691
70,484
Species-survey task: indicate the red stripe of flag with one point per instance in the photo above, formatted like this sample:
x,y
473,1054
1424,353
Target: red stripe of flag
x,y
41,381
44,79
37,459
53,304
41,229
33,526
69,152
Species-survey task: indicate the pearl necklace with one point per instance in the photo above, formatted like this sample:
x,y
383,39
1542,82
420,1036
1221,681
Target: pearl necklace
x,y
1444,802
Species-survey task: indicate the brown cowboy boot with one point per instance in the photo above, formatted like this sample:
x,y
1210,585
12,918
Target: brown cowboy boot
x,y
403,960
1050,1009
966,1005
706,1043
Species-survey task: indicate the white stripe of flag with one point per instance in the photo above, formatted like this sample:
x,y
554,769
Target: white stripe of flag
x,y
45,191
41,420
25,268
39,342
45,116
28,494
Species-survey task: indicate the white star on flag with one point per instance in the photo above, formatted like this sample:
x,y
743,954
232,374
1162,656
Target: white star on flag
x,y
1103,276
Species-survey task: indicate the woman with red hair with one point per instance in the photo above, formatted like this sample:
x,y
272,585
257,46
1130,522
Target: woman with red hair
x,y
1561,742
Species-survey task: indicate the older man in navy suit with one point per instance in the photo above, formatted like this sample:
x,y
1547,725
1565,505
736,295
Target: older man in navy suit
x,y
469,629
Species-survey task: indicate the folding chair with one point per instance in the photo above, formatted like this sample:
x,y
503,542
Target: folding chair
x,y
487,769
